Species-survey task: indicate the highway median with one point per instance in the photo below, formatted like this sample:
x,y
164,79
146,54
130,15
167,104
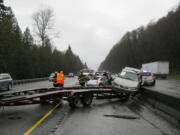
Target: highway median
x,y
166,99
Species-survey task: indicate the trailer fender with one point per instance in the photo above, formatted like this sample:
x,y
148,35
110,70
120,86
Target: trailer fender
x,y
72,93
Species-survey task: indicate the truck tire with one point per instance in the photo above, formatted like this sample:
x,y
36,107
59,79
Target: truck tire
x,y
87,98
153,83
75,101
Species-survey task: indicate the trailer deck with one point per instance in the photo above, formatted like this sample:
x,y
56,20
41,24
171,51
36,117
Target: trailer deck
x,y
73,95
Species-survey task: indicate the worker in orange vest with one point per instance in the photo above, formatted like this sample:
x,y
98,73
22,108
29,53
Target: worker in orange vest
x,y
60,79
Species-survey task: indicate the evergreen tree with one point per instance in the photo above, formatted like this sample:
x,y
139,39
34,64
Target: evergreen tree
x,y
159,41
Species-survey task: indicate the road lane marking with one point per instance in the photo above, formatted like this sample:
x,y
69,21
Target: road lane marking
x,y
42,119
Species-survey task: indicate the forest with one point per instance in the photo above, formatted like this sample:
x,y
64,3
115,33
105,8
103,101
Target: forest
x,y
158,41
23,58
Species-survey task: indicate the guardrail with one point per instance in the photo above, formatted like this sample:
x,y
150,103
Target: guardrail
x,y
15,82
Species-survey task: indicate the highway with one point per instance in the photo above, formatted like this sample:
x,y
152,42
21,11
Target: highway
x,y
103,117
168,87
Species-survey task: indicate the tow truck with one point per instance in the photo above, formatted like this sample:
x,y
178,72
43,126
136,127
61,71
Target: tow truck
x,y
74,95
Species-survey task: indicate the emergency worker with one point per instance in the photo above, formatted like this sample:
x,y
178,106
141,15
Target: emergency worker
x,y
108,76
82,79
60,79
54,80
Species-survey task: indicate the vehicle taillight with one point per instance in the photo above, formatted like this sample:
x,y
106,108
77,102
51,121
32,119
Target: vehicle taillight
x,y
97,82
152,78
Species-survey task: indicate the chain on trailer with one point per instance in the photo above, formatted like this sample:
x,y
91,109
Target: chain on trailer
x,y
74,95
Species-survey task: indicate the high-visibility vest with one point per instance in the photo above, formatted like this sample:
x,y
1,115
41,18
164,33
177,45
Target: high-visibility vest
x,y
60,78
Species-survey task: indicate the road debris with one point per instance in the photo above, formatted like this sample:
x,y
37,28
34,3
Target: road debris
x,y
122,116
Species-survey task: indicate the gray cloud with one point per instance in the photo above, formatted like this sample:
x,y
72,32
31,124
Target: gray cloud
x,y
92,27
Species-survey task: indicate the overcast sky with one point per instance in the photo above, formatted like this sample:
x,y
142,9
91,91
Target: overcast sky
x,y
92,27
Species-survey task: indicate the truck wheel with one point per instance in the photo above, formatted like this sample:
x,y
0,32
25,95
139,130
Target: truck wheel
x,y
75,101
87,98
153,83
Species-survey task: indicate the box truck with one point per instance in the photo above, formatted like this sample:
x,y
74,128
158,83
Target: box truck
x,y
160,69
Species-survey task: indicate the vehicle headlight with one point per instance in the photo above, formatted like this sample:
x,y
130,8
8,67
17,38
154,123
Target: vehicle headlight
x,y
132,88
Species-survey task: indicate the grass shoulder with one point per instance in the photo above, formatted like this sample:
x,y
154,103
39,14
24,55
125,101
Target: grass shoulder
x,y
173,77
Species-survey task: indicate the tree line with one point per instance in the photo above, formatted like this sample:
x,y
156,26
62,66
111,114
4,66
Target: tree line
x,y
23,58
159,41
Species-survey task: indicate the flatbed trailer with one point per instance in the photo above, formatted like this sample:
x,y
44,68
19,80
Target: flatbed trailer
x,y
74,95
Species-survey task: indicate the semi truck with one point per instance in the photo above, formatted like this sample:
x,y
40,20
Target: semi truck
x,y
160,69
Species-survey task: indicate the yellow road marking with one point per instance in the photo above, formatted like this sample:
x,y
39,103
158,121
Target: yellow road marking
x,y
42,119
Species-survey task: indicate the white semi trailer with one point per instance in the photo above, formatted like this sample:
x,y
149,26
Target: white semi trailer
x,y
159,68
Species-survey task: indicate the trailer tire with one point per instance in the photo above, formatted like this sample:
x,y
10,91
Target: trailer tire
x,y
154,83
75,101
87,98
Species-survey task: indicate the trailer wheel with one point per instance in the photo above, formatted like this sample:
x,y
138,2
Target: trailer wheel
x,y
154,83
87,98
75,101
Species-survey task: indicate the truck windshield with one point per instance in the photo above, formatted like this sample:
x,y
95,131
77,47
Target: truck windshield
x,y
85,71
129,76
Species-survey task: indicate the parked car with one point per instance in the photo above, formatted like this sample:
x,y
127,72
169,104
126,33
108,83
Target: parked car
x,y
6,82
51,77
97,81
148,79
127,81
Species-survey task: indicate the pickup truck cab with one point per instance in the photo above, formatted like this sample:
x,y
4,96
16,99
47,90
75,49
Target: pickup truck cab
x,y
128,81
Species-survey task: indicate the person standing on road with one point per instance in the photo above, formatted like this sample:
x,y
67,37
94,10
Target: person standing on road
x,y
60,79
54,80
82,79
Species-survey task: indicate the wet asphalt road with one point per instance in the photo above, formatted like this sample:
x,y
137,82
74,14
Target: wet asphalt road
x,y
91,121
84,121
16,120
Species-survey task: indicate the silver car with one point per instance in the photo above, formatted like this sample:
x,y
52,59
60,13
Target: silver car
x,y
97,81
6,82
127,81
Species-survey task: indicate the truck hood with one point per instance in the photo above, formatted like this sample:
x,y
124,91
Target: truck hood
x,y
125,82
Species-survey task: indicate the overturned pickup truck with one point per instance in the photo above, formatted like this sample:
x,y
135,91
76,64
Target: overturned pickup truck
x,y
128,81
